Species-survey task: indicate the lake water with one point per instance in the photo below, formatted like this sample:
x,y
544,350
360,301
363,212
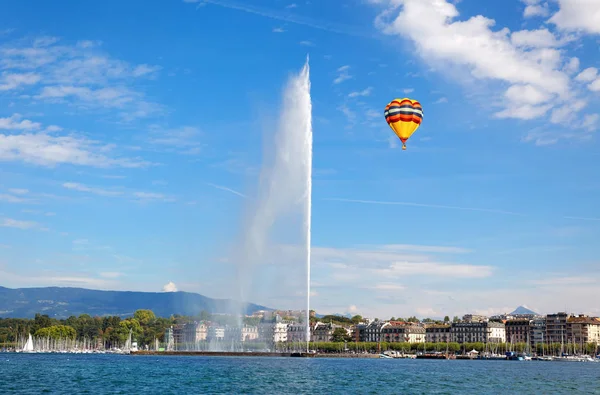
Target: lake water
x,y
128,374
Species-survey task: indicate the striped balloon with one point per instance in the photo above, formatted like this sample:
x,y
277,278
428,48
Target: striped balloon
x,y
404,117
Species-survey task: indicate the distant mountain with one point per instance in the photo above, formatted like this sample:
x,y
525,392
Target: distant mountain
x,y
59,302
522,310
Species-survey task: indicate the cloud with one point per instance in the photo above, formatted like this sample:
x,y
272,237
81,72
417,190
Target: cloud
x,y
182,140
139,196
307,43
380,202
342,74
17,224
78,75
4,197
527,62
96,191
169,287
278,30
44,148
365,92
18,191
535,8
578,15
10,81
16,122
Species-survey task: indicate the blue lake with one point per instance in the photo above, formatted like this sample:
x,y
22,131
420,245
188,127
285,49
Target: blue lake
x,y
127,374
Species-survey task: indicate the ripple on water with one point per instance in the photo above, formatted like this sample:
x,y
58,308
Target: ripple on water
x,y
99,374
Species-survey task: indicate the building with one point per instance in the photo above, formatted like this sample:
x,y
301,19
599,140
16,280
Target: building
x,y
474,318
517,331
437,333
373,331
478,332
537,331
274,332
359,332
401,332
322,332
582,330
296,333
556,327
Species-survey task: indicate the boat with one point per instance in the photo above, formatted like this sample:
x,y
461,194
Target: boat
x,y
28,348
384,356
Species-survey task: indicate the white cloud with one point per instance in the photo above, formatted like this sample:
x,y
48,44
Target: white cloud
x,y
528,62
170,287
26,143
4,197
79,75
365,92
278,30
15,122
578,15
9,81
343,74
47,150
96,191
535,8
541,38
19,191
587,75
183,140
17,224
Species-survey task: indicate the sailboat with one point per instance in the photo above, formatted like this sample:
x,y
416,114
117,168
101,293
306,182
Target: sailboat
x,y
29,345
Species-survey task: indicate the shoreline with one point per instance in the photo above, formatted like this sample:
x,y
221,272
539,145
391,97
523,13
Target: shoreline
x,y
253,354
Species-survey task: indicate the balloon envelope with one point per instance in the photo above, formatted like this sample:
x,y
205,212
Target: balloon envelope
x,y
404,117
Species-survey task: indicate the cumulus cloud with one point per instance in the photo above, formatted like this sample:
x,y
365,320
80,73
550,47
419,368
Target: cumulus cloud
x,y
578,15
528,62
170,287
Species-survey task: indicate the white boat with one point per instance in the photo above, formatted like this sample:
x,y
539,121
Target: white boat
x,y
29,345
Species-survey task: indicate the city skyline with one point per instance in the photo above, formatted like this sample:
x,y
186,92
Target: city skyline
x,y
123,167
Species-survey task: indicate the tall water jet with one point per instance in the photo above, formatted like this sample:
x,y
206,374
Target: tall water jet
x,y
284,190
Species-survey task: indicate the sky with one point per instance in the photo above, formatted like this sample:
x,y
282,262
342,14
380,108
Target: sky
x,y
132,134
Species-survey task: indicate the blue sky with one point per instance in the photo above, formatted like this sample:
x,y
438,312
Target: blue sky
x,y
132,133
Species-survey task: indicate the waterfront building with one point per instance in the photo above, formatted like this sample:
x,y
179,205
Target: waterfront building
x,y
359,332
275,332
517,331
216,333
556,327
582,330
373,331
322,332
438,333
537,331
296,333
482,332
400,332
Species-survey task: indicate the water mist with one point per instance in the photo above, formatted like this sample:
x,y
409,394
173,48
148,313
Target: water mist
x,y
281,206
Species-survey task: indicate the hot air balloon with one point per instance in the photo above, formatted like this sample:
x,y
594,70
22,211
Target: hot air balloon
x,y
404,117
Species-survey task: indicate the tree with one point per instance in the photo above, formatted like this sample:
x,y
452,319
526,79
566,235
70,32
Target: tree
x,y
57,332
455,319
446,319
340,335
144,316
357,319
